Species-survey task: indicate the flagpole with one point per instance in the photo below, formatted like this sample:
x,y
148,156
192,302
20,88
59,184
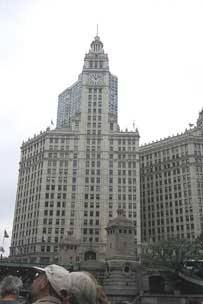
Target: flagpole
x,y
5,235
2,248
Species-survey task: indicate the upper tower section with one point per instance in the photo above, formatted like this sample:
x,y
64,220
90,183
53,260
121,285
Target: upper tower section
x,y
96,59
95,75
97,45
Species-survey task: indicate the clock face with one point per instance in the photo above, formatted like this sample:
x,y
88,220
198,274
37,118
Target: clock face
x,y
95,79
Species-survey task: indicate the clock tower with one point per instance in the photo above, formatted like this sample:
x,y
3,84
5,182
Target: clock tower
x,y
90,109
98,92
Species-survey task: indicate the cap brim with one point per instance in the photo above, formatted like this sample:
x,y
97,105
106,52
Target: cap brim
x,y
39,269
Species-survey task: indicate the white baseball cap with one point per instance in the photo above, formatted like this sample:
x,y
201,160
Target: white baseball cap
x,y
57,277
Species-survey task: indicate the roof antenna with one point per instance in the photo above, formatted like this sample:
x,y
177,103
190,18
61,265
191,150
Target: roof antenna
x,y
97,30
134,126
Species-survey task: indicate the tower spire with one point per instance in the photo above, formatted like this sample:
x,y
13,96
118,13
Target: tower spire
x,y
97,30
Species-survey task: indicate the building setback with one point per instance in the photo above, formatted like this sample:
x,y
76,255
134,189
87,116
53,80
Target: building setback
x,y
75,177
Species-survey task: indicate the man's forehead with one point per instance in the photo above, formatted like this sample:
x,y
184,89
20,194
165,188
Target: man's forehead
x,y
42,275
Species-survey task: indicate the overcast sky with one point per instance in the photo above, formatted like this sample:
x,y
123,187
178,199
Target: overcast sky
x,y
155,48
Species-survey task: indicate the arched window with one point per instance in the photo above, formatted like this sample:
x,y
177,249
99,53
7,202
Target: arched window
x,y
90,255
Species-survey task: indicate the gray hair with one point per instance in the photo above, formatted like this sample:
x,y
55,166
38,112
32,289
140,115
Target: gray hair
x,y
10,285
82,287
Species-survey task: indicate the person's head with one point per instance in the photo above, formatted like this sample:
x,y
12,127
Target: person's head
x,y
49,281
10,287
81,289
101,295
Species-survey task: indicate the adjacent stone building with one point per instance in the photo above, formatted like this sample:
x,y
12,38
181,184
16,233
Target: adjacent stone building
x,y
171,186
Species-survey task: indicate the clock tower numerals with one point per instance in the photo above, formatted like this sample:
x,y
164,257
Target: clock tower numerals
x,y
94,79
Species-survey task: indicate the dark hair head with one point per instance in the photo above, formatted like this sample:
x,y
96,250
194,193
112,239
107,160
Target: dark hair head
x,y
10,285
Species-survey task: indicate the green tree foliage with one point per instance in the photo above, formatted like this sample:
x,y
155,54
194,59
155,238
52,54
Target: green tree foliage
x,y
169,255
